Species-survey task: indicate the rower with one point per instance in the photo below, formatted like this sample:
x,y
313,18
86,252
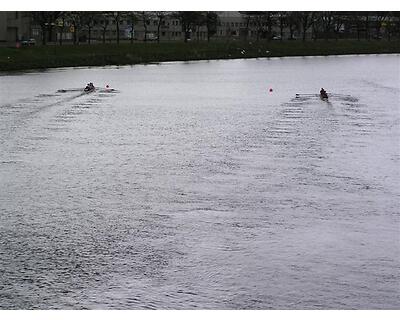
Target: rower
x,y
323,93
89,86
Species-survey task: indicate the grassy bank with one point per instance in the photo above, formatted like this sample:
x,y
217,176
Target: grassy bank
x,y
123,54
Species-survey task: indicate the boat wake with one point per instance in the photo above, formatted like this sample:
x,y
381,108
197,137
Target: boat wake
x,y
331,97
37,110
101,90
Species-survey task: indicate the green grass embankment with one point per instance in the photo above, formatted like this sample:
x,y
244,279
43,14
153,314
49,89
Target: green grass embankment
x,y
124,54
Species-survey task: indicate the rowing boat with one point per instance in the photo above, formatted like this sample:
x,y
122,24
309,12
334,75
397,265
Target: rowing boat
x,y
323,96
88,90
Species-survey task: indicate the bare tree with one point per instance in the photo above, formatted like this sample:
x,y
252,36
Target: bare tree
x,y
270,22
396,23
61,23
104,21
357,20
293,22
88,18
339,19
46,21
316,19
306,21
40,18
247,17
389,26
263,22
145,18
188,21
367,34
75,21
381,16
200,21
282,20
392,25
258,18
327,23
133,19
161,17
212,20
117,16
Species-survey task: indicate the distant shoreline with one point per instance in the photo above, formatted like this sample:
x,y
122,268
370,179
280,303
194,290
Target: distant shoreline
x,y
55,56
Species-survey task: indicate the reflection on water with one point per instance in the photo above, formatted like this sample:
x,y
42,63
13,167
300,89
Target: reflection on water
x,y
193,186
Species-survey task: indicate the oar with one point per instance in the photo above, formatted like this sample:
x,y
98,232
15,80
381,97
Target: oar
x,y
69,90
328,93
339,95
306,95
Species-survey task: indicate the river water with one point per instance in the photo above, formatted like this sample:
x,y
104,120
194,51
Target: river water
x,y
192,186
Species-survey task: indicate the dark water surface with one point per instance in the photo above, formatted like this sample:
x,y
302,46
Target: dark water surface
x,y
193,187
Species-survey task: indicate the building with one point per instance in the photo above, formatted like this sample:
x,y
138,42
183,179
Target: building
x,y
14,26
73,27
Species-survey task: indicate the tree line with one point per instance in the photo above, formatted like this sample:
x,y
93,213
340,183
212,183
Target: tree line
x,y
324,24
266,25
